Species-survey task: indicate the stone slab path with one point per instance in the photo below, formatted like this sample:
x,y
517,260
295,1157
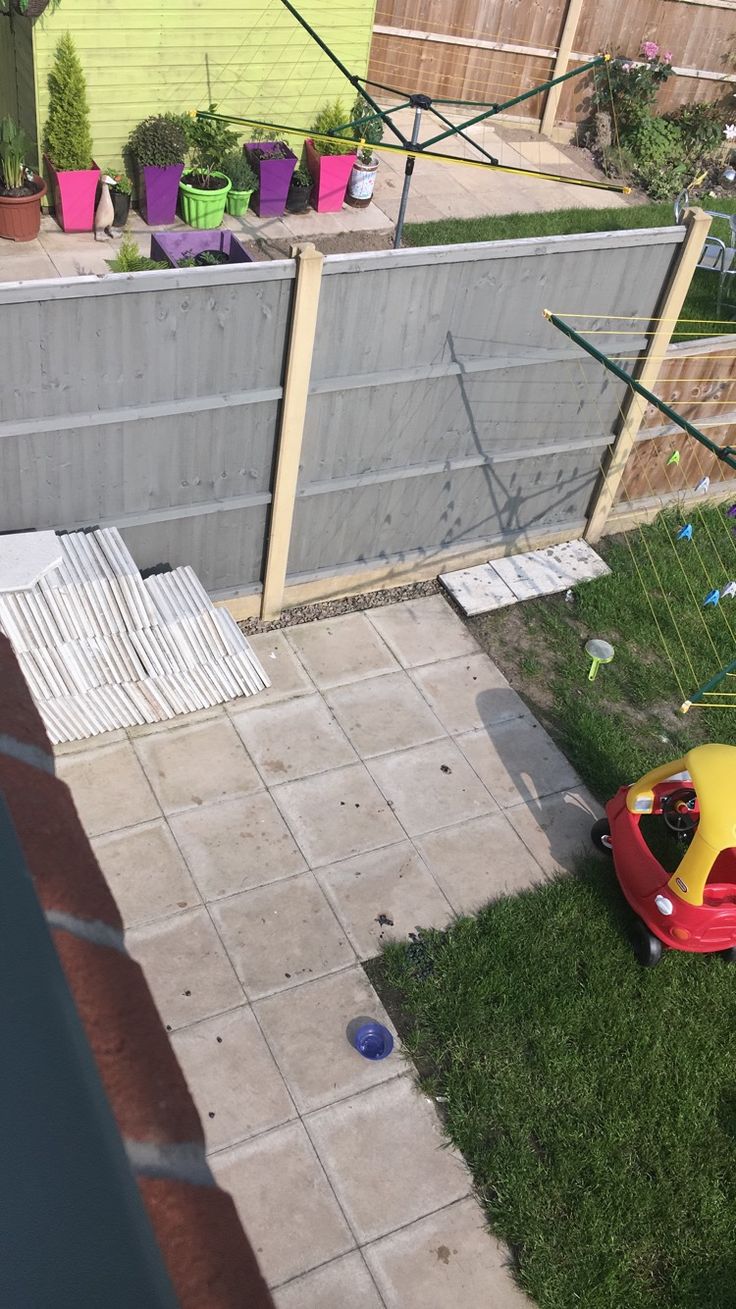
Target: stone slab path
x,y
389,771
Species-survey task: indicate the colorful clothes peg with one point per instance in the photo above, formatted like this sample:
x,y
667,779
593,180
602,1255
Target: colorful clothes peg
x,y
712,598
731,511
703,484
674,458
729,591
685,533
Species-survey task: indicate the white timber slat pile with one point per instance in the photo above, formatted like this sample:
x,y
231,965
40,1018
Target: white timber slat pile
x,y
102,648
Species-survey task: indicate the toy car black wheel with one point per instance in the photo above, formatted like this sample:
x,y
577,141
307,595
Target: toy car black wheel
x,y
647,946
600,835
729,955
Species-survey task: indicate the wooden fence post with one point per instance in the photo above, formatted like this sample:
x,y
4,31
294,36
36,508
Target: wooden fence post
x,y
569,28
634,408
300,350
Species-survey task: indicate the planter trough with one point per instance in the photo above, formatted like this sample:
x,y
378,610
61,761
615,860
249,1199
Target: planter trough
x,y
73,194
274,176
173,246
158,192
330,175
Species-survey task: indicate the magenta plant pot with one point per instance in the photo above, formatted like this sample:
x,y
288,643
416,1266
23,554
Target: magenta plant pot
x,y
274,177
159,192
74,193
330,174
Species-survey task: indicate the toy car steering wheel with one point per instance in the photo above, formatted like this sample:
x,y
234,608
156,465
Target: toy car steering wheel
x,y
677,811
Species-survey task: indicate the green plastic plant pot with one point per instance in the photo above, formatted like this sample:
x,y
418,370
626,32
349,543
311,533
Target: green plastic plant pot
x,y
204,208
237,202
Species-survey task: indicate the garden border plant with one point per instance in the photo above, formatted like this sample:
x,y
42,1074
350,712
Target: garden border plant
x,y
158,145
21,190
67,141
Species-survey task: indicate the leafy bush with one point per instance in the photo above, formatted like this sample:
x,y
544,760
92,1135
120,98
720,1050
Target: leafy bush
x,y
236,167
658,149
371,132
331,118
122,182
628,88
701,131
159,141
67,137
300,177
130,260
210,142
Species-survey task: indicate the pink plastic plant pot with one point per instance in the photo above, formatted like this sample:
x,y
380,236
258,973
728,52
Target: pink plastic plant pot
x,y
74,192
330,174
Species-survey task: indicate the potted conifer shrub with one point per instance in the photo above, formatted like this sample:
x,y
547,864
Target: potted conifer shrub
x,y
68,142
21,191
242,183
369,131
204,187
330,163
158,145
273,164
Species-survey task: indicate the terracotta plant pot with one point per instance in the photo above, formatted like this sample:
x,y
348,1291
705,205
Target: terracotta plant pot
x,y
274,176
158,192
20,215
361,184
74,192
330,174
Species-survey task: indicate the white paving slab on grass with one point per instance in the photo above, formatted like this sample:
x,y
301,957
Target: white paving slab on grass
x,y
26,556
523,577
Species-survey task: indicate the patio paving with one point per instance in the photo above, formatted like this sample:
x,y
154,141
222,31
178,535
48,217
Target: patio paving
x,y
390,773
439,190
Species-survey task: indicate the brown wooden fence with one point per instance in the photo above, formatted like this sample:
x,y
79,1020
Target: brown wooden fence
x,y
699,381
494,49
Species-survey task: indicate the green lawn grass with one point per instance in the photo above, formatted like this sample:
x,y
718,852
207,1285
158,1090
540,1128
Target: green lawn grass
x,y
594,1100
701,300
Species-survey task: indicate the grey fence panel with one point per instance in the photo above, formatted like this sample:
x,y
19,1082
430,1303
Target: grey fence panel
x,y
445,409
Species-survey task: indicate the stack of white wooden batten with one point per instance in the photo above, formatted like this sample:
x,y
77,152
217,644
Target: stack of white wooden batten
x,y
103,648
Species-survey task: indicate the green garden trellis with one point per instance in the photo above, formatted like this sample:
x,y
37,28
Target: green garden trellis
x,y
712,693
411,147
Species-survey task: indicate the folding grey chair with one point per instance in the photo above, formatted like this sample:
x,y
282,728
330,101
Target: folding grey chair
x,y
716,256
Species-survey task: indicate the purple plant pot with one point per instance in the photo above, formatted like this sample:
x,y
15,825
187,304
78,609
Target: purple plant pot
x,y
173,246
158,193
274,177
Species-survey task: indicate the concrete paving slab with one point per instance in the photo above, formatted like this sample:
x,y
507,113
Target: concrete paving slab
x,y
294,739
186,967
555,568
556,829
109,787
197,765
340,650
413,1169
145,872
448,1258
468,693
286,674
25,557
284,1201
233,1078
307,1030
343,1284
383,713
281,934
478,861
383,896
518,761
236,845
430,786
478,590
422,631
337,814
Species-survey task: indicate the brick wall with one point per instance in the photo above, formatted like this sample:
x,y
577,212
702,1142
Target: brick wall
x,y
207,1254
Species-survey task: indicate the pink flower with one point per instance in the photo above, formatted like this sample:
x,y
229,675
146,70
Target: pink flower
x,y
730,132
667,57
650,49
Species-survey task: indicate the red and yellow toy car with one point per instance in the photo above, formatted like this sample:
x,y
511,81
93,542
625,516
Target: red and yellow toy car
x,y
693,909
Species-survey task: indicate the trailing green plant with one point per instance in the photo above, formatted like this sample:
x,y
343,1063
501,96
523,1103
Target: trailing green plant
x,y
301,178
236,167
210,143
130,260
159,141
14,146
661,166
67,136
332,118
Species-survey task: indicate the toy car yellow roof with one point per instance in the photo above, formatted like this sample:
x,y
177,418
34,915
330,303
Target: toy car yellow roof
x,y
713,772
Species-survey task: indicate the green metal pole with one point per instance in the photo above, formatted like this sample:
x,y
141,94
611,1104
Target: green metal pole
x,y
709,686
725,453
517,100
